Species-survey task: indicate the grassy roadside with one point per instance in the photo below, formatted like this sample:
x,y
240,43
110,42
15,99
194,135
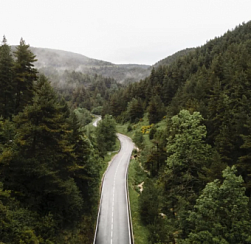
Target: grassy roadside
x,y
135,177
136,127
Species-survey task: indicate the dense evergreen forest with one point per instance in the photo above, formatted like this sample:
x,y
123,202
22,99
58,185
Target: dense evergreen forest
x,y
197,185
50,169
200,163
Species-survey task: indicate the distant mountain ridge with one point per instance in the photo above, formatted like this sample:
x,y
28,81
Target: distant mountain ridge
x,y
51,60
64,59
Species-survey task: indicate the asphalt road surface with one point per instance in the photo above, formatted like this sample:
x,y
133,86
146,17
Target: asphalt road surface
x,y
113,225
95,123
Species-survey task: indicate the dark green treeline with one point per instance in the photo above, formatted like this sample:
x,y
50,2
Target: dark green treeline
x,y
199,167
49,169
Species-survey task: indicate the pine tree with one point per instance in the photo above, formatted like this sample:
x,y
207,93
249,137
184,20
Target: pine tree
x,y
135,110
243,164
7,90
41,160
25,75
86,174
156,110
106,134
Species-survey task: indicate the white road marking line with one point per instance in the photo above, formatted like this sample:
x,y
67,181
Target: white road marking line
x,y
113,197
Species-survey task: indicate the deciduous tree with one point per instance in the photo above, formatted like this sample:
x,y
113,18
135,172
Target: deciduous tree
x,y
221,212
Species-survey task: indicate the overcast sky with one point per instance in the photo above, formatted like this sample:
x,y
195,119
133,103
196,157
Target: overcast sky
x,y
120,31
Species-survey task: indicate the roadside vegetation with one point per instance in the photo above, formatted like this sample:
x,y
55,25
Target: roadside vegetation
x,y
136,178
50,163
191,122
198,157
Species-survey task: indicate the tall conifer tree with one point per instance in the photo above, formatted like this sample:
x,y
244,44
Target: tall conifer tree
x,y
6,81
25,75
41,160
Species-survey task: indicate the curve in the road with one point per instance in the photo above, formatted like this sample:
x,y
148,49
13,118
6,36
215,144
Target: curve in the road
x,y
98,118
113,223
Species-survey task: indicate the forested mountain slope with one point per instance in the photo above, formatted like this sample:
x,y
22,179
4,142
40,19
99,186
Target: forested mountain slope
x,y
193,163
50,168
170,59
55,62
198,183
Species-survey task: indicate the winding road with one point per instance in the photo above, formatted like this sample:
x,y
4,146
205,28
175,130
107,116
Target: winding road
x,y
113,224
98,118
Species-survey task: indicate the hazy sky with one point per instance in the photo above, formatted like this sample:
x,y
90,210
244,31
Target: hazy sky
x,y
120,31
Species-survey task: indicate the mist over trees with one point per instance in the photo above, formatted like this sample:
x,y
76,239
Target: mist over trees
x,y
196,164
53,63
49,168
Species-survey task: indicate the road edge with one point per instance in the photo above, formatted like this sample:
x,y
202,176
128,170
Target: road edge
x,y
128,200
129,215
101,194
127,196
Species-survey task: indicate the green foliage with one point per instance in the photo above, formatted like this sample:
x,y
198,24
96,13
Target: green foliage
x,y
49,169
156,110
97,110
170,59
152,133
17,225
7,132
185,144
136,175
129,128
149,208
41,158
135,110
83,116
187,160
86,90
106,134
220,214
148,203
47,165
7,85
211,82
187,152
25,75
138,139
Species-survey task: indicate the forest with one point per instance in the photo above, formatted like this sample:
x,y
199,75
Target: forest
x,y
197,113
50,166
191,120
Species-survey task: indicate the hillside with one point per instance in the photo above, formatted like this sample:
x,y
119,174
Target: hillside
x,y
170,59
49,183
51,61
197,115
